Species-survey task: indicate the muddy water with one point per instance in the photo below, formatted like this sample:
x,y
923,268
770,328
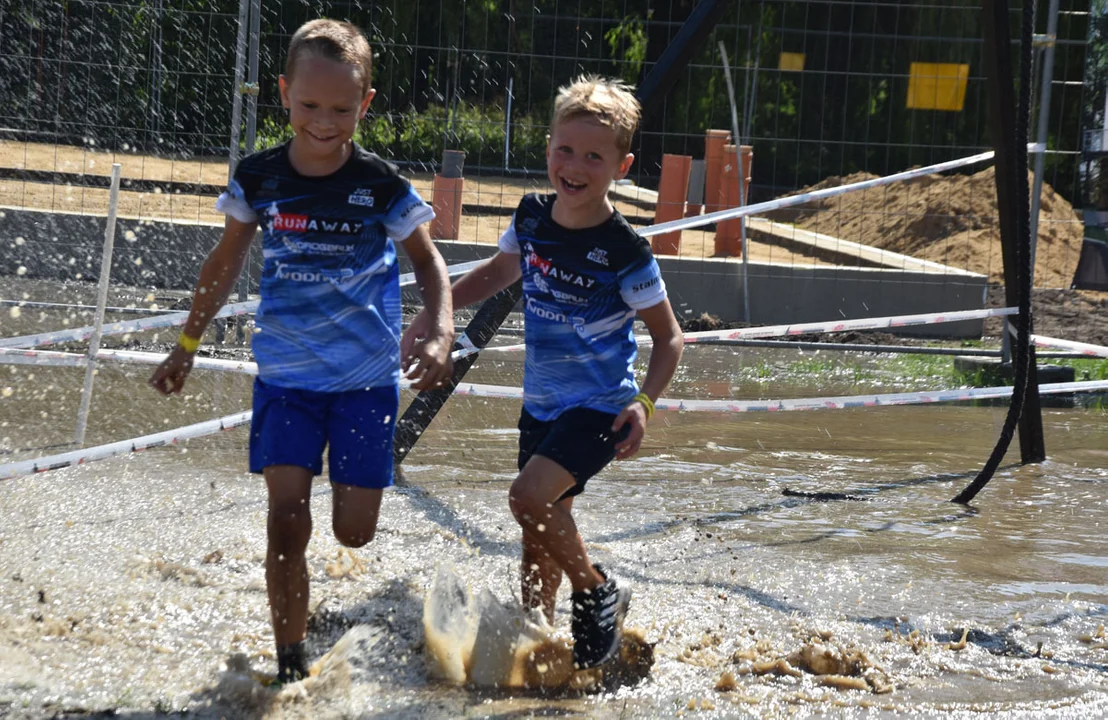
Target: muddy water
x,y
136,584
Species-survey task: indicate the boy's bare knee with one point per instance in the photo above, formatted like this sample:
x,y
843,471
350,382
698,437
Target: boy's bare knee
x,y
354,537
525,505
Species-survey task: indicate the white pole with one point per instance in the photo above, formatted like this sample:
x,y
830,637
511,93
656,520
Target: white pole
x,y
1044,121
236,92
101,301
508,123
742,177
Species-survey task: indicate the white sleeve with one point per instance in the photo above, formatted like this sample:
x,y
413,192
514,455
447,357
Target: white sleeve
x,y
643,288
508,241
406,214
232,201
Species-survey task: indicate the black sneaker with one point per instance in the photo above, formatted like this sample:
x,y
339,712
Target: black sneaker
x,y
597,622
291,664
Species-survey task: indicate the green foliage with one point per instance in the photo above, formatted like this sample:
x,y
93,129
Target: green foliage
x,y
477,132
845,112
376,131
1084,369
627,42
271,131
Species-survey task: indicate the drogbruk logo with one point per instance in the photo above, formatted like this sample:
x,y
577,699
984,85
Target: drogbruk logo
x,y
306,223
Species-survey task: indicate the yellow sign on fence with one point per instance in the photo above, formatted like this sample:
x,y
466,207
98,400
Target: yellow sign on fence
x,y
937,86
792,62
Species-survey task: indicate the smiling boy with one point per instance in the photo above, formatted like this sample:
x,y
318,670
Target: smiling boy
x,y
586,275
327,337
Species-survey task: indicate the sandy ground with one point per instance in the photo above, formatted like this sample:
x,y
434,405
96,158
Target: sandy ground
x,y
487,192
950,219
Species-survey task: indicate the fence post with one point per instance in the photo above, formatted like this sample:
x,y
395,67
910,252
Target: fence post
x,y
101,302
714,141
728,239
694,201
447,196
672,191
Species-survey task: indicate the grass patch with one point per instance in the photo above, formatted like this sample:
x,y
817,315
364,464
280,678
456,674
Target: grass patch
x,y
1084,368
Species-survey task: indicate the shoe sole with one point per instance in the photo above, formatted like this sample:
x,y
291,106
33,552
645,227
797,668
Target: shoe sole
x,y
621,613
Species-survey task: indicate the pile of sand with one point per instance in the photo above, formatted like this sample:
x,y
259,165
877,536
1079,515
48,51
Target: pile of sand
x,y
948,219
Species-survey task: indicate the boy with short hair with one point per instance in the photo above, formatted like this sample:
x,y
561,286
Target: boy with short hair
x,y
586,273
327,335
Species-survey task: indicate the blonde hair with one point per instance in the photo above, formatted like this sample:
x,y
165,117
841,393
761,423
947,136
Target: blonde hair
x,y
610,102
332,40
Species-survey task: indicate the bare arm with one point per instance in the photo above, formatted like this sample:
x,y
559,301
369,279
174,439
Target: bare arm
x,y
669,343
427,357
218,274
480,283
664,357
487,279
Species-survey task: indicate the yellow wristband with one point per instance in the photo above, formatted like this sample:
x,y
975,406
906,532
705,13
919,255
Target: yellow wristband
x,y
646,403
190,344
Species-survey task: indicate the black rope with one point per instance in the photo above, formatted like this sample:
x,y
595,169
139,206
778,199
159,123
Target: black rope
x,y
415,420
1021,351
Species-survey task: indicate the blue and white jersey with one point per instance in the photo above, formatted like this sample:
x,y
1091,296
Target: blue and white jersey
x,y
329,318
581,289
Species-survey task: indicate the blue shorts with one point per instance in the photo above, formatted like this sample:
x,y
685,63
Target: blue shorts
x,y
291,427
580,440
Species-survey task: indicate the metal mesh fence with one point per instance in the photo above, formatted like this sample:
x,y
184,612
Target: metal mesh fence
x,y
827,92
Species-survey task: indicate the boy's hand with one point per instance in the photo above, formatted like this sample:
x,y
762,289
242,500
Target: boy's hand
x,y
170,376
635,414
426,360
420,328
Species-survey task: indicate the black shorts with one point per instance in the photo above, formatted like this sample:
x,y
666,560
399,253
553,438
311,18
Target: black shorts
x,y
580,440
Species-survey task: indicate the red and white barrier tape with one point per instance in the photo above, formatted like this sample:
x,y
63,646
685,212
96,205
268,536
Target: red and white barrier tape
x,y
844,402
27,356
170,437
171,319
833,326
1083,348
51,358
101,452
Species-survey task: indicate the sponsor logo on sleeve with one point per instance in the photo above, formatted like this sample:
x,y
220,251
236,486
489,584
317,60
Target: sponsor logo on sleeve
x,y
414,205
646,285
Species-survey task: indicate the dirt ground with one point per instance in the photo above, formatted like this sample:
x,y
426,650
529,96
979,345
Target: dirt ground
x,y
1078,315
947,219
950,219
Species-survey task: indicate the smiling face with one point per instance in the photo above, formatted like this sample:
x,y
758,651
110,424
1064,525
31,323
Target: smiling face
x,y
582,160
325,100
